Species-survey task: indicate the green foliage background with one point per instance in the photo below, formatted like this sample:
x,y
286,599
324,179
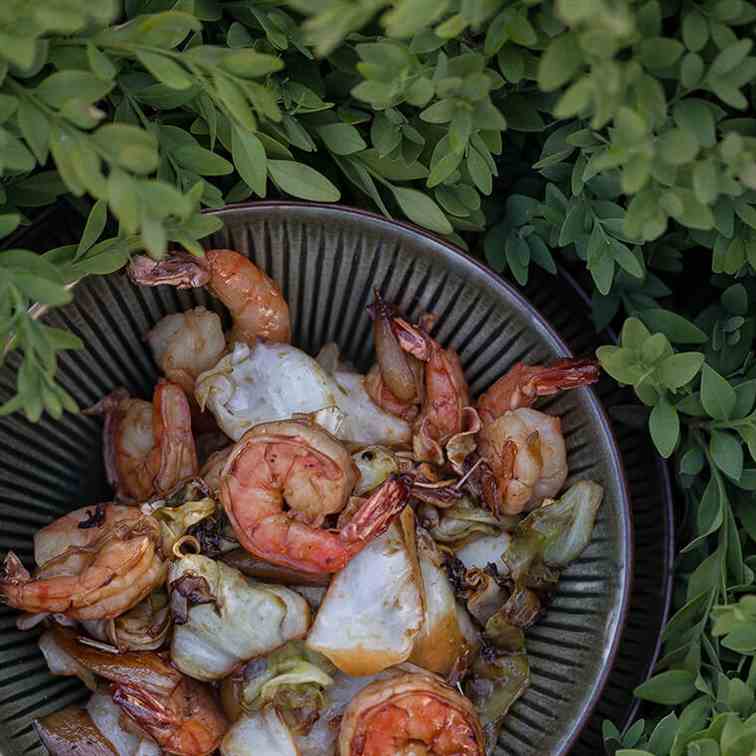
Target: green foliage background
x,y
614,135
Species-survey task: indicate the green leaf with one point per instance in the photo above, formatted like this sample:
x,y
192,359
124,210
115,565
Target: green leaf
x,y
730,57
695,31
421,209
202,161
664,425
678,146
746,395
717,395
123,198
35,129
300,180
41,290
443,162
64,85
250,64
165,70
101,65
250,160
94,228
130,147
559,63
677,370
341,138
676,328
479,171
670,688
660,52
727,453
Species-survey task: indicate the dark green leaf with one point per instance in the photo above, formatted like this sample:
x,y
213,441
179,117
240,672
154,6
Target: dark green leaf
x,y
727,453
670,688
302,181
676,328
421,209
664,425
717,395
341,138
250,160
94,228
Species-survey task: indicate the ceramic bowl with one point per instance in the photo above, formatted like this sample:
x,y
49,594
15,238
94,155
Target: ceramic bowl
x,y
327,260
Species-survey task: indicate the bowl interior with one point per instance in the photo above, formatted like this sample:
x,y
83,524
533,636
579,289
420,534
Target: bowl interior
x,y
327,261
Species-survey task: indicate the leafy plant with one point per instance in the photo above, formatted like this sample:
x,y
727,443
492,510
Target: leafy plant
x,y
614,137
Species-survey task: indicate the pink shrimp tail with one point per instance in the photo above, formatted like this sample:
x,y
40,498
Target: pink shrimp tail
x,y
377,513
179,269
109,408
565,374
13,577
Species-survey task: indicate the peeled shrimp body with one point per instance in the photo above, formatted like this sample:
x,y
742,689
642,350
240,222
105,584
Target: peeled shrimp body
x,y
279,484
254,385
148,448
539,466
256,304
525,448
186,344
235,618
93,564
412,713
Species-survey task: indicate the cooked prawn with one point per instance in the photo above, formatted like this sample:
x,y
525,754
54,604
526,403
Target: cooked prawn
x,y
180,713
446,394
255,302
381,394
186,344
280,483
410,713
523,384
93,564
524,448
148,448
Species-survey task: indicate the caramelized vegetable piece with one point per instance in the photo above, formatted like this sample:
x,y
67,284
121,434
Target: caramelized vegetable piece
x,y
556,533
447,632
71,732
223,618
372,610
262,733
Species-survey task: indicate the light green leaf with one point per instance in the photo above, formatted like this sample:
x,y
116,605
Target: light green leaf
x,y
677,370
165,70
559,63
63,85
201,161
300,180
250,64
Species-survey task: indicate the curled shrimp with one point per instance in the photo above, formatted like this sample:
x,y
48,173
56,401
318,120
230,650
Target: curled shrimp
x,y
148,448
446,395
180,713
93,564
256,304
280,483
410,713
524,448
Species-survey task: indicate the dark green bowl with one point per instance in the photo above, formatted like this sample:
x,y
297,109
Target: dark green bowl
x,y
327,259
